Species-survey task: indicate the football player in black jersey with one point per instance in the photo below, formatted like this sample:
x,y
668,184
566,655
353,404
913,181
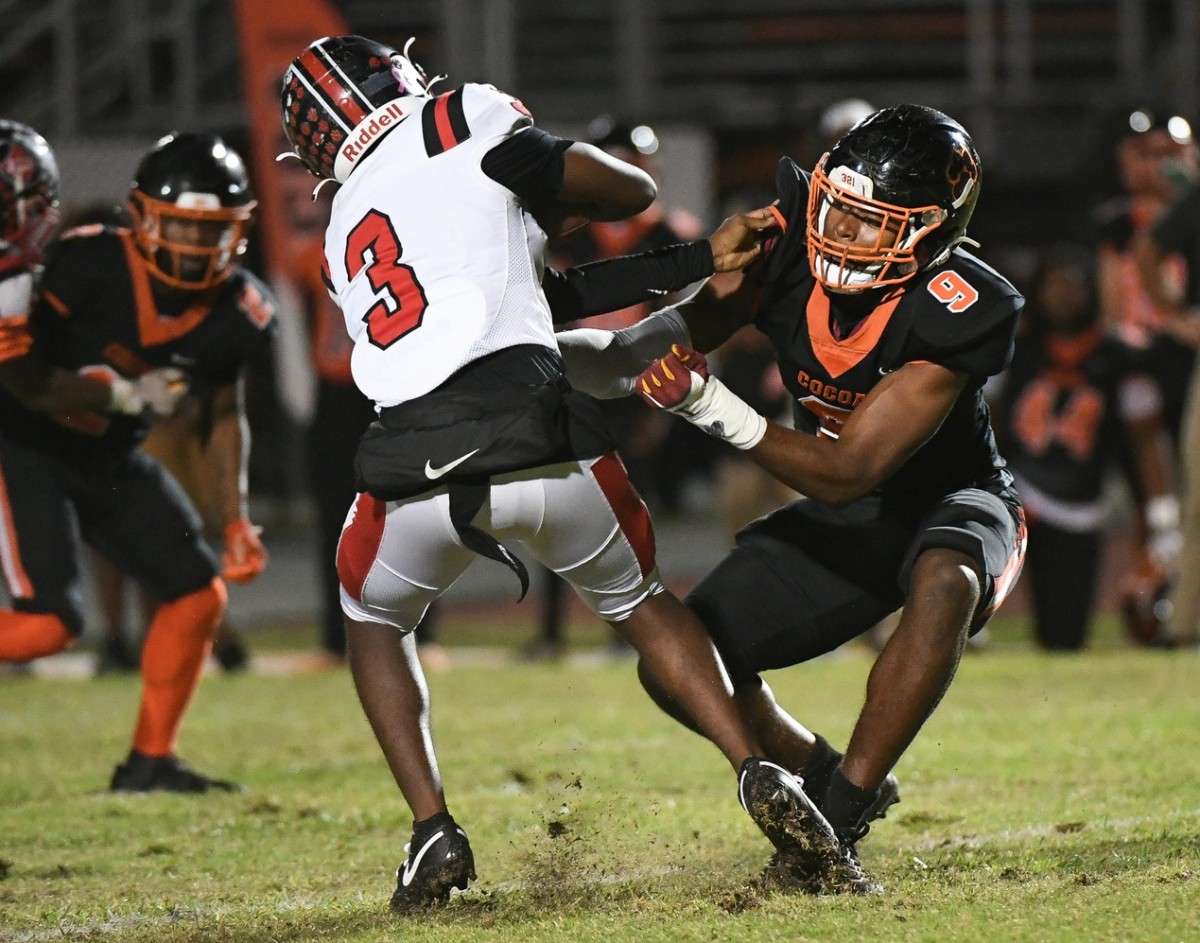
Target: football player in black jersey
x,y
885,330
154,310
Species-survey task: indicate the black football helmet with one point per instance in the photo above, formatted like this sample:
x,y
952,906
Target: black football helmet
x,y
336,96
28,195
909,170
192,206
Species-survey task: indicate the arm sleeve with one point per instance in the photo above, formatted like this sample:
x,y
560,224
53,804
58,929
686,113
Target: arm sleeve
x,y
530,164
611,284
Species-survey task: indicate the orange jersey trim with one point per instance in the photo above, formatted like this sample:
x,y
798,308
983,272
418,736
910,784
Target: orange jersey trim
x,y
839,356
56,303
154,328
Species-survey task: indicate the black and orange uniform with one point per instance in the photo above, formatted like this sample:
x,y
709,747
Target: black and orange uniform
x,y
809,577
75,477
1062,416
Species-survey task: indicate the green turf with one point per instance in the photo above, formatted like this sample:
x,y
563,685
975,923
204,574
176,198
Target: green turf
x,y
1049,799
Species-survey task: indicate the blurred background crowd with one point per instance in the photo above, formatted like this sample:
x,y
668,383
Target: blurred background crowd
x,y
1082,111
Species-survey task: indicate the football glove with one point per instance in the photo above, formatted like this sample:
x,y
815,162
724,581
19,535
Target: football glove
x,y
679,383
158,391
245,556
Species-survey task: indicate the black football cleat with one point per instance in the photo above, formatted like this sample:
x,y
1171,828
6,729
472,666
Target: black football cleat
x,y
439,861
808,853
848,876
230,651
142,773
886,796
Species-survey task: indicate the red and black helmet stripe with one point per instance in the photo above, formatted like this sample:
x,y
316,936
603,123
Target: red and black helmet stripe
x,y
444,123
342,97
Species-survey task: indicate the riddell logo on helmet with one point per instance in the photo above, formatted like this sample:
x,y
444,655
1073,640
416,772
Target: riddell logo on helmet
x,y
370,129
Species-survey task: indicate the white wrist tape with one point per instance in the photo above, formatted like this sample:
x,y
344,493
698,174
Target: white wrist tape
x,y
722,413
125,397
606,364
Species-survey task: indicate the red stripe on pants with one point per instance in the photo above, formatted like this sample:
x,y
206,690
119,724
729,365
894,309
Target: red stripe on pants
x,y
359,543
627,505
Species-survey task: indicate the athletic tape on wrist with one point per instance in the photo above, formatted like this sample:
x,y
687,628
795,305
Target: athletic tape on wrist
x,y
722,413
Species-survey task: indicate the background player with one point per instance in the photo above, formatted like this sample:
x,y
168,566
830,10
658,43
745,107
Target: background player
x,y
1074,402
121,304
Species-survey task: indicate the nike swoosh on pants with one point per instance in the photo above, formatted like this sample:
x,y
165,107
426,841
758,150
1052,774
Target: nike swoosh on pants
x,y
432,473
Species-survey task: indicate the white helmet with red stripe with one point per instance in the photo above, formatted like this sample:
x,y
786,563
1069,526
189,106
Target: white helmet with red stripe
x,y
342,95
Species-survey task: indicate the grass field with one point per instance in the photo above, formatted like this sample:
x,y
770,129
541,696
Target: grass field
x,y
1049,799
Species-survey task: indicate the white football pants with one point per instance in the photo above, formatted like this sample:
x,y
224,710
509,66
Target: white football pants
x,y
583,520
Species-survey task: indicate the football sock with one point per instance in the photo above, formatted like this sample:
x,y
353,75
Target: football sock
x,y
177,643
426,827
25,636
845,804
820,766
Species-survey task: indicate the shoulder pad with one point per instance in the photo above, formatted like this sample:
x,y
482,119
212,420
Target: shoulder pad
x,y
961,300
791,187
491,112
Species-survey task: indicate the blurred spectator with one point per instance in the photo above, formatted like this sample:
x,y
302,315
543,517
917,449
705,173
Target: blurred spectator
x,y
643,439
1155,155
1178,231
660,457
1071,399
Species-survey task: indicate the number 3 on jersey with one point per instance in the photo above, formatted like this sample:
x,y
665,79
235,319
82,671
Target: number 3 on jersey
x,y
401,299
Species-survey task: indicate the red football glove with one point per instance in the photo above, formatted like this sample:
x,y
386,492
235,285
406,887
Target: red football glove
x,y
245,556
672,382
679,383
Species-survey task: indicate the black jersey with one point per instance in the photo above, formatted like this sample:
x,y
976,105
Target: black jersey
x,y
1063,409
833,349
97,310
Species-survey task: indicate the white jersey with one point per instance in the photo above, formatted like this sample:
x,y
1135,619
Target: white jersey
x,y
432,262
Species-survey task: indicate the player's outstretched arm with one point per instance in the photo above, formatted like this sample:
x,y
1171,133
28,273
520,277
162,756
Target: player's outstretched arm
x,y
46,388
606,364
894,420
599,187
227,455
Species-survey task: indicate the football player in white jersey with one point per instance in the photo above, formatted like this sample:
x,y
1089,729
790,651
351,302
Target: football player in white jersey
x,y
435,254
